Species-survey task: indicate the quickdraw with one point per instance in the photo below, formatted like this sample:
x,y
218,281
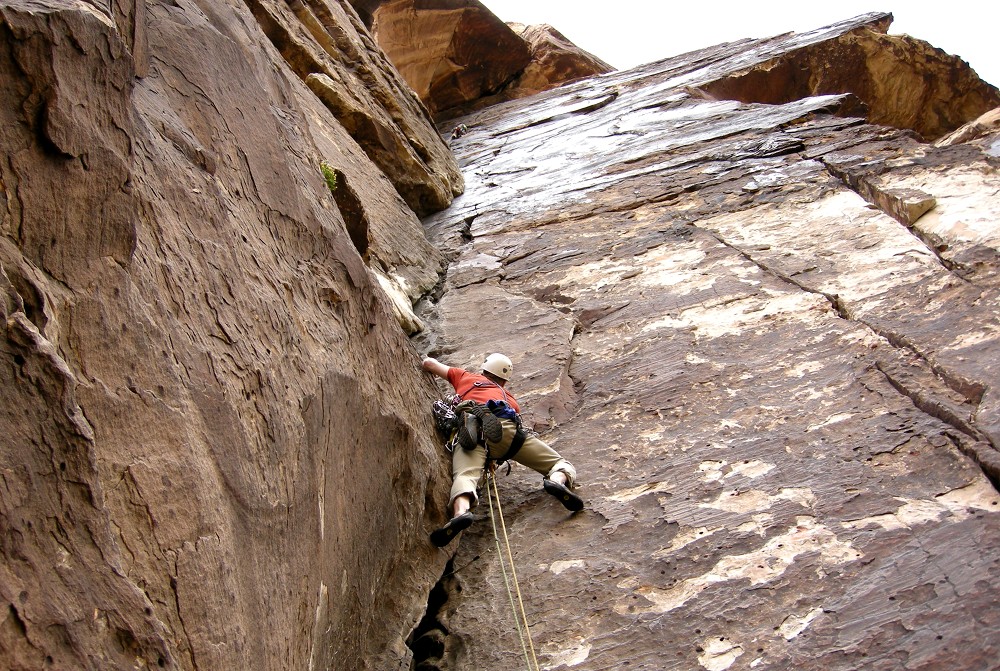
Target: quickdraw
x,y
446,422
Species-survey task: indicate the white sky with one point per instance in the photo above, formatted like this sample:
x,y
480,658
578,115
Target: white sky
x,y
626,34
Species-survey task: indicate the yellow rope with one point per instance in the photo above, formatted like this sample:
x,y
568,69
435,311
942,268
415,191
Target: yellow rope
x,y
503,568
491,477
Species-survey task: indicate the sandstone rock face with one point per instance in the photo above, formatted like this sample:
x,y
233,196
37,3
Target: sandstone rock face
x,y
554,61
767,337
901,81
327,46
449,51
765,334
458,56
201,462
980,132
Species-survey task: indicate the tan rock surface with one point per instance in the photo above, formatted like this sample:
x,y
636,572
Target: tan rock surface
x,y
983,127
775,375
901,81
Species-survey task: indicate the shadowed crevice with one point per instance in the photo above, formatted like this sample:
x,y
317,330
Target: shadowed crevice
x,y
353,211
434,647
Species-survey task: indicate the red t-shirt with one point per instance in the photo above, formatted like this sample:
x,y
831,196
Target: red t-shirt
x,y
479,388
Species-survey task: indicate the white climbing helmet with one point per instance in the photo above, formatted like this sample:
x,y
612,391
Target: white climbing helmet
x,y
499,365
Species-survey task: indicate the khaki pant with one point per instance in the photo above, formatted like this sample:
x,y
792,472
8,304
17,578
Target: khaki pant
x,y
467,465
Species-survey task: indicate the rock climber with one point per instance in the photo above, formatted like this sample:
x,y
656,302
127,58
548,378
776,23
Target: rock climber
x,y
490,424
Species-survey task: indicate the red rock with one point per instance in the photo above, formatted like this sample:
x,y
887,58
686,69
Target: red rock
x,y
450,51
775,372
554,61
186,307
458,56
902,81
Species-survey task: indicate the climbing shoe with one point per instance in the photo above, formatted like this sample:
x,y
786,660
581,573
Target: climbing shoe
x,y
492,428
468,431
566,497
444,535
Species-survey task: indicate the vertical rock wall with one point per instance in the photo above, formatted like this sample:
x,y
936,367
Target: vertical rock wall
x,y
767,337
214,450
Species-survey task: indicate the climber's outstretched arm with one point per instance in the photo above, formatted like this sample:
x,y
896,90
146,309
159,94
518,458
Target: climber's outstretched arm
x,y
434,366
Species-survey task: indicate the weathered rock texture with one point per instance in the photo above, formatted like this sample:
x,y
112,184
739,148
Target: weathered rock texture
x,y
449,51
201,462
768,338
458,56
766,335
899,80
326,45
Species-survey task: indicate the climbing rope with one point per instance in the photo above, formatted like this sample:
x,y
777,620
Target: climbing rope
x,y
525,632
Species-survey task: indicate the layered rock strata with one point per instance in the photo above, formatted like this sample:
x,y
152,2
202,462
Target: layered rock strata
x,y
898,80
327,46
767,337
202,464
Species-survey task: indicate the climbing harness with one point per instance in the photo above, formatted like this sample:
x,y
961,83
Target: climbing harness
x,y
504,410
450,418
524,633
516,443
